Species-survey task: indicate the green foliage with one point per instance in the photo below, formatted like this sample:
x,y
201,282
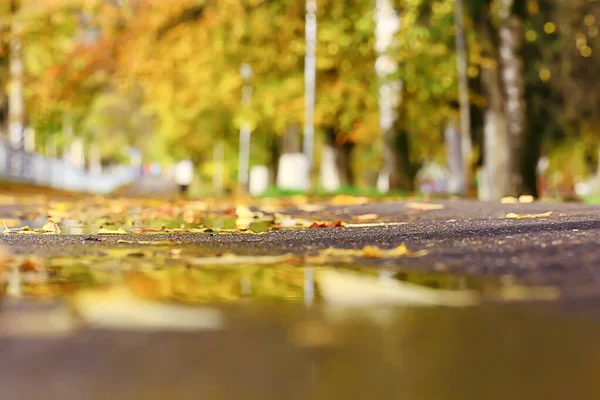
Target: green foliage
x,y
165,75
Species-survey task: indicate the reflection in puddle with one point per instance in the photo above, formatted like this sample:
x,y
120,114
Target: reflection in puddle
x,y
325,332
161,274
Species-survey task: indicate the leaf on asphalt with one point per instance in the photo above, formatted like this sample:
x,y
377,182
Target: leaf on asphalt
x,y
424,206
523,199
526,199
105,231
233,259
327,224
528,216
366,217
509,200
374,252
51,227
6,228
26,230
149,230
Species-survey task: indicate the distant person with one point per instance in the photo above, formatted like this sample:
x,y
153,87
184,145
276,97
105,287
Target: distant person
x,y
184,173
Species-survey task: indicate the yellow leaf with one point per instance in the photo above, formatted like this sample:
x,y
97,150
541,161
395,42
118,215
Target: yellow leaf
x,y
424,206
366,217
51,227
528,216
526,199
509,200
104,231
374,252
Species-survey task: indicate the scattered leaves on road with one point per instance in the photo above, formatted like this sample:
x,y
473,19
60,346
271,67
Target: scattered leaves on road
x,y
528,216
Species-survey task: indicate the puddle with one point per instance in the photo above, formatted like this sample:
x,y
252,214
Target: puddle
x,y
167,274
320,331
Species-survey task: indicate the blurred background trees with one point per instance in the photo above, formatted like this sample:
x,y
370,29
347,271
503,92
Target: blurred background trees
x,y
164,77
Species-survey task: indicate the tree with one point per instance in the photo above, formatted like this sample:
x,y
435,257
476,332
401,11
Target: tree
x,y
500,29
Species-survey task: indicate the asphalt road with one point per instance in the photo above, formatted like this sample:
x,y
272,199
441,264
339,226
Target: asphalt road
x,y
532,350
562,249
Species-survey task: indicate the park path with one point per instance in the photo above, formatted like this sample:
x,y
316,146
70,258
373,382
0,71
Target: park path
x,y
140,316
150,186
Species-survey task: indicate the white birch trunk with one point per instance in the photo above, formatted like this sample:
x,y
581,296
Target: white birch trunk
x,y
456,175
387,24
16,105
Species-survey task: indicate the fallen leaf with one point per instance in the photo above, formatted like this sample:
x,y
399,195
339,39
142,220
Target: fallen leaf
x,y
6,229
51,227
525,199
509,200
232,259
374,252
330,224
366,217
528,216
424,206
104,231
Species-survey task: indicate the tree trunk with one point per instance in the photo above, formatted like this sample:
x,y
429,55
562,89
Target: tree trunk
x,y
463,95
336,162
512,36
344,163
16,107
387,23
275,150
454,156
505,118
291,139
403,171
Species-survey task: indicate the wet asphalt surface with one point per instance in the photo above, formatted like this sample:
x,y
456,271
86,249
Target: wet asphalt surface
x,y
562,249
545,350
